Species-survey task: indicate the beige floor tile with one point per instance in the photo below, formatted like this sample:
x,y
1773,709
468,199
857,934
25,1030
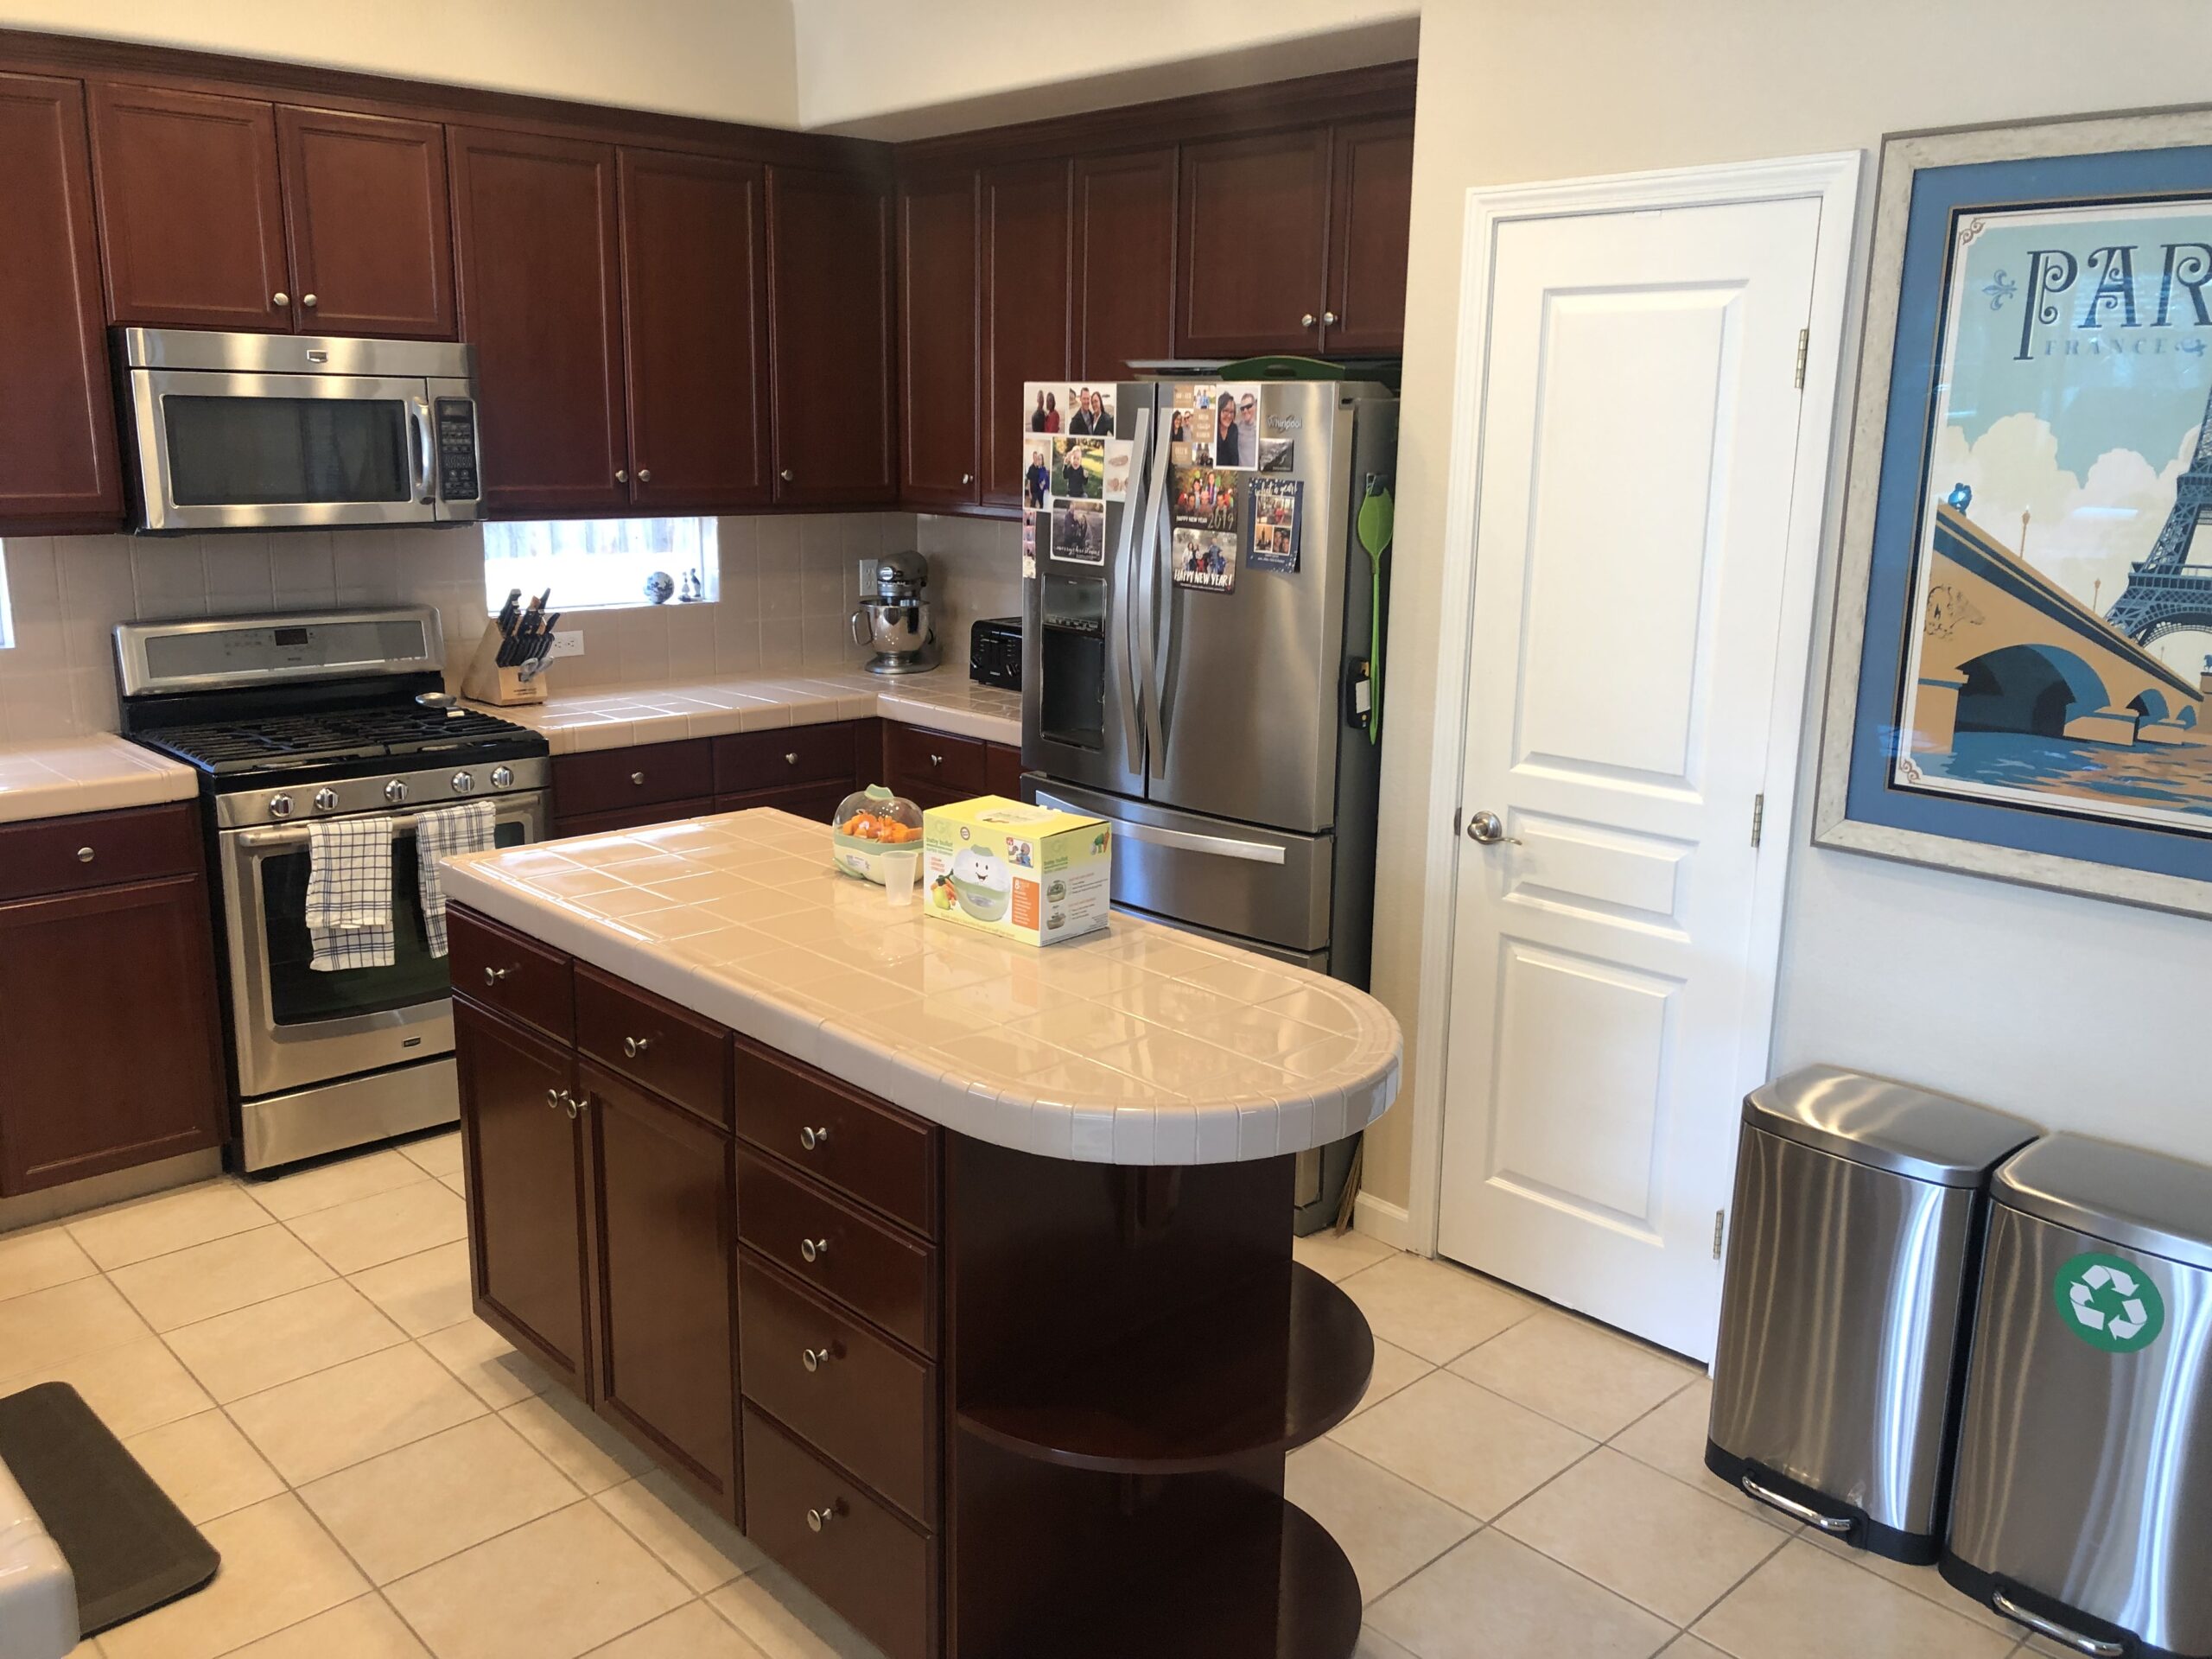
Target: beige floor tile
x,y
699,1546
206,1465
580,1445
361,1176
694,1630
436,1155
1338,1256
1373,1644
47,1329
1576,1373
334,1419
236,1354
1920,1581
1476,1451
557,1587
420,1294
170,1221
364,1628
1643,1534
1672,1441
1394,1368
367,1232
399,1512
1433,1308
196,1283
1494,1598
41,1260
487,1363
1805,1604
132,1388
1688,1647
785,1620
1388,1527
453,1183
278,1568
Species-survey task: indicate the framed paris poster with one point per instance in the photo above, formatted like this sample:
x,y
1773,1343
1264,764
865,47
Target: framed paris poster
x,y
2022,680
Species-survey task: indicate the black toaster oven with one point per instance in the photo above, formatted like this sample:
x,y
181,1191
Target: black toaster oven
x,y
995,652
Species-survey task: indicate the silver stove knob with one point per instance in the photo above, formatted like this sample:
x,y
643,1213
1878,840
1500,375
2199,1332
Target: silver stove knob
x,y
280,806
502,776
463,782
395,791
326,800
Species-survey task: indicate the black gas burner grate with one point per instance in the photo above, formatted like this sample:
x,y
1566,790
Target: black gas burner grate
x,y
228,747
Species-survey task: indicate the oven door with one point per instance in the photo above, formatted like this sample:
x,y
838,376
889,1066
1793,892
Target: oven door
x,y
294,1026
237,451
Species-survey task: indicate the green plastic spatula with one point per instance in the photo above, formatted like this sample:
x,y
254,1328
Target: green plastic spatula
x,y
1378,512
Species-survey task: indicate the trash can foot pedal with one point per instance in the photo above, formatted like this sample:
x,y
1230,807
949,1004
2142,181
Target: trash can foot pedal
x,y
1838,1524
1828,1515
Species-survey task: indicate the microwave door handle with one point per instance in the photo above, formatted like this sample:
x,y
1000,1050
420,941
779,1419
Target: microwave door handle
x,y
420,460
1125,579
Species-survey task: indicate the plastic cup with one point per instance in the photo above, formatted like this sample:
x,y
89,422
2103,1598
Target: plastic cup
x,y
899,869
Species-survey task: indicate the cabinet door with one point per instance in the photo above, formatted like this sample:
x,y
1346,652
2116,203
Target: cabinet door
x,y
540,300
665,1200
829,308
1027,283
939,284
58,467
1256,221
369,223
694,301
528,1238
1371,219
189,211
109,1037
1125,262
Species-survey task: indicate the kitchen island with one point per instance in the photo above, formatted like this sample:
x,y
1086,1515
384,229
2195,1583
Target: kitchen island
x,y
956,1273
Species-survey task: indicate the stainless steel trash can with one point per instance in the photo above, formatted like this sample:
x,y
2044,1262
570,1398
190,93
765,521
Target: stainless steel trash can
x,y
1851,1262
2084,1494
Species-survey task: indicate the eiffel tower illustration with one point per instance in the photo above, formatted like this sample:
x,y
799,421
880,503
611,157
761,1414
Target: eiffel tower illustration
x,y
2166,593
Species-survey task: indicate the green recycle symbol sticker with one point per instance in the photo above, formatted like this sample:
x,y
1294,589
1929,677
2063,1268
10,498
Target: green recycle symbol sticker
x,y
2110,1303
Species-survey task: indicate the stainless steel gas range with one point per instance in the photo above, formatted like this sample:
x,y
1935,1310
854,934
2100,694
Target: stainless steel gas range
x,y
287,720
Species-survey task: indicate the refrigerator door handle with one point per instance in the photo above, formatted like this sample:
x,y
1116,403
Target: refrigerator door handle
x,y
1257,852
1156,549
1124,579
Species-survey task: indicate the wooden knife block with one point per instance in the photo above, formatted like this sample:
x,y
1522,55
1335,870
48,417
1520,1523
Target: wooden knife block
x,y
503,688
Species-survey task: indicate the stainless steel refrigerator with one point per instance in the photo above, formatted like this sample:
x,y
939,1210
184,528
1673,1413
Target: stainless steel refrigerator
x,y
1222,725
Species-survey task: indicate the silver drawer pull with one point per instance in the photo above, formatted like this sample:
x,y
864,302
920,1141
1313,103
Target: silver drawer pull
x,y
575,1107
790,757
493,975
1797,1511
85,855
814,1248
638,778
2057,1633
553,1098
937,760
817,1519
815,1358
814,1140
635,1046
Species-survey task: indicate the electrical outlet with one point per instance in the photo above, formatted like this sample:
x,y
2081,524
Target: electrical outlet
x,y
567,642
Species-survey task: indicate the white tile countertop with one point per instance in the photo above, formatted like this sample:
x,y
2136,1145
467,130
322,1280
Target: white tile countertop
x,y
614,717
1138,1045
61,777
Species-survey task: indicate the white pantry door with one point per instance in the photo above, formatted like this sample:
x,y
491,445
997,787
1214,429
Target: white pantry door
x,y
1639,437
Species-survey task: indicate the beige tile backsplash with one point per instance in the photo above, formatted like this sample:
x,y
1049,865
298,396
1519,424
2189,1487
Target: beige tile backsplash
x,y
788,585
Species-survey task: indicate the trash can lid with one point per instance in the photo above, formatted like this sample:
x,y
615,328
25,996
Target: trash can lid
x,y
1884,1125
2122,1194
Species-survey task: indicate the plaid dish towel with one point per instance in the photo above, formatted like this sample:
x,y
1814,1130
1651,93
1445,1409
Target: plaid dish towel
x,y
447,834
349,893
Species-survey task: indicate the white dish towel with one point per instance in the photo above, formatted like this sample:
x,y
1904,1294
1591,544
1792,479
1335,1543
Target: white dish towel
x,y
448,833
349,893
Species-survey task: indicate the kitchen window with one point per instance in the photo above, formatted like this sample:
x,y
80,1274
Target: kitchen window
x,y
601,564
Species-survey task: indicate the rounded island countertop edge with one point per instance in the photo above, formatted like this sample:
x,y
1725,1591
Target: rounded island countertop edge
x,y
996,1078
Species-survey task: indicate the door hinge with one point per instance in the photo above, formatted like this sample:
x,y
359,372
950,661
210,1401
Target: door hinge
x,y
1759,816
1804,348
1720,1225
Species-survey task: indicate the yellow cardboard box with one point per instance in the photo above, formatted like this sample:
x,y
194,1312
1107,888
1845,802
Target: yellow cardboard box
x,y
1027,872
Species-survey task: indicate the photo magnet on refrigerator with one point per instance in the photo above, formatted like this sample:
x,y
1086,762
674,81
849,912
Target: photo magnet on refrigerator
x,y
1275,523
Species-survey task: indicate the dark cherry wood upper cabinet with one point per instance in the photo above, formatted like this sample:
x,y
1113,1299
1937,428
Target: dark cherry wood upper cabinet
x,y
1256,223
368,222
190,212
534,219
58,464
1125,262
830,299
939,340
1370,220
1027,281
694,302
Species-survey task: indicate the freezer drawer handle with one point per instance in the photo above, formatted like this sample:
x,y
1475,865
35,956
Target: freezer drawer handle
x,y
1257,852
2057,1633
1791,1507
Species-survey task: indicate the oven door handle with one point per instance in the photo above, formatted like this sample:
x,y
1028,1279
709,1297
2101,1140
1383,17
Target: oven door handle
x,y
261,840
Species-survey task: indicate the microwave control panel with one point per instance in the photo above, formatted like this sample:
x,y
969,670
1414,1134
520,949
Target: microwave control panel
x,y
457,449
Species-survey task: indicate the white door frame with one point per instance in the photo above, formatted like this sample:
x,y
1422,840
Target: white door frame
x,y
1833,179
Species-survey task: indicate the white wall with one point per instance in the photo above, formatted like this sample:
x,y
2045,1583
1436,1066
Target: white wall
x,y
2081,1014
731,60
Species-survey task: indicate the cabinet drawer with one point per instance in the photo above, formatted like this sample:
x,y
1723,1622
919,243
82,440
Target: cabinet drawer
x,y
881,1274
864,1402
875,1569
883,1158
631,817
817,802
933,758
98,850
511,974
670,1051
746,761
615,780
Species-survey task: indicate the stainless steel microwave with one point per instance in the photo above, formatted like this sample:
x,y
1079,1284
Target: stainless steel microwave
x,y
235,431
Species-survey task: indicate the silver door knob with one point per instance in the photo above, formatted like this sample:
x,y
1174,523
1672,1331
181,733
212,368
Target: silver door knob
x,y
814,1138
1489,828
817,1519
787,475
326,800
634,1047
280,297
644,474
307,300
1305,322
815,1358
814,1248
1329,317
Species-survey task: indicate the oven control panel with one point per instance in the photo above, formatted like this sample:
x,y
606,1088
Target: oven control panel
x,y
457,449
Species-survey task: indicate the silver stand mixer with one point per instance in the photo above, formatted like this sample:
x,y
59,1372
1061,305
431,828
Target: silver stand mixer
x,y
893,619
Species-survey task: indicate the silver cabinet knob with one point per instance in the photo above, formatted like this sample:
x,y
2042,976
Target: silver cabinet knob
x,y
1329,317
787,475
493,975
937,760
326,800
1489,830
815,1358
395,791
280,806
814,1138
307,300
967,477
1305,322
574,1105
85,854
644,474
502,776
638,778
463,782
814,1248
621,475
817,1519
280,297
553,1098
634,1047
791,757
